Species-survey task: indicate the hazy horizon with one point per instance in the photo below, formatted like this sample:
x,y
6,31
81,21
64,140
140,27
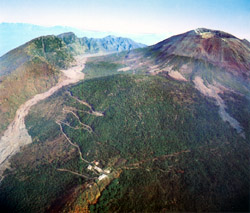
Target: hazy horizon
x,y
162,17
144,21
13,35
150,38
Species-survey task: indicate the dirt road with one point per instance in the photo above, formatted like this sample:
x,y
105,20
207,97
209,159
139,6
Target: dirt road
x,y
16,134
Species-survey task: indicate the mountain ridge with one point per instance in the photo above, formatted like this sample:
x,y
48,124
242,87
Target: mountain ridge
x,y
107,44
30,69
15,34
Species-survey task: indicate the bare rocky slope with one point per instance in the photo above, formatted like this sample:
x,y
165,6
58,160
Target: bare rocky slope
x,y
216,47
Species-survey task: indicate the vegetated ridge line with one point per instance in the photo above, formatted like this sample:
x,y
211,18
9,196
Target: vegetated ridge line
x,y
16,134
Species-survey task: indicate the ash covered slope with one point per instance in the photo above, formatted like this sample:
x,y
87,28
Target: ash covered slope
x,y
98,45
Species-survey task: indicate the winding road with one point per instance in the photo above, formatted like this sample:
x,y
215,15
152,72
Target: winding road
x,y
16,134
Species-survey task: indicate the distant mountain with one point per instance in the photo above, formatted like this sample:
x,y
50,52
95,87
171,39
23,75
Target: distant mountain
x,y
98,45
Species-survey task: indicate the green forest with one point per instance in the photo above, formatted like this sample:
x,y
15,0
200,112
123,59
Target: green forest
x,y
175,152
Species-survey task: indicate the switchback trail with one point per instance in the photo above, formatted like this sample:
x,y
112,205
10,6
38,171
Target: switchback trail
x,y
16,134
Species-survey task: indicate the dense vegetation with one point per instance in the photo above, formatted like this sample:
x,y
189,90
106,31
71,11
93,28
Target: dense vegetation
x,y
239,107
174,150
95,69
53,50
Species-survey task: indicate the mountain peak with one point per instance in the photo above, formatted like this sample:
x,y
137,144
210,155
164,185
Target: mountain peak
x,y
202,30
216,47
68,37
207,33
110,36
67,34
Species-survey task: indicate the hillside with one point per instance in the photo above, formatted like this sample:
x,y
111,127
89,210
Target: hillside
x,y
144,134
30,69
222,68
164,128
98,45
37,64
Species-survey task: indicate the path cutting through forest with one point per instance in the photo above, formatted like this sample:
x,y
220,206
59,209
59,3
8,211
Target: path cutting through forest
x,y
16,134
